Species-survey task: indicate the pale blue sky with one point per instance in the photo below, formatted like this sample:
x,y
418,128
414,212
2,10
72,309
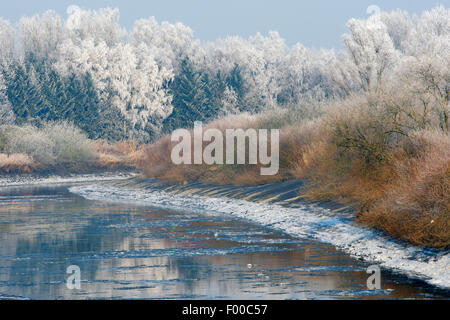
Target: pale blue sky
x,y
318,23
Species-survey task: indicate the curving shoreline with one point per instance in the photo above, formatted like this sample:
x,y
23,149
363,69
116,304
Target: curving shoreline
x,y
29,179
268,206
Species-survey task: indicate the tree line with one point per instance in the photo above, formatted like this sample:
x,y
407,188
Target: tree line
x,y
117,84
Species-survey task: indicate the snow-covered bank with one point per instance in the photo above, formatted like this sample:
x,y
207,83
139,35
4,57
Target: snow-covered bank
x,y
303,220
25,180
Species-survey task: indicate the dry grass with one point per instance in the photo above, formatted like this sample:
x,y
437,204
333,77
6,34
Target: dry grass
x,y
16,163
158,164
123,154
415,205
407,196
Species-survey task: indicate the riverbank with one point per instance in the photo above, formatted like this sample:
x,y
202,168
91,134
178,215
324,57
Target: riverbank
x,y
55,179
357,152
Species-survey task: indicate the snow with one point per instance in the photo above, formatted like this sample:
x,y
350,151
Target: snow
x,y
26,180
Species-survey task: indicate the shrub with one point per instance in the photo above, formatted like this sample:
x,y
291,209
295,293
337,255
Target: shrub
x,y
415,204
70,144
53,144
31,141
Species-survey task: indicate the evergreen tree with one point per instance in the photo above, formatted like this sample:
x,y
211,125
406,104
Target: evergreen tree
x,y
6,112
236,82
197,96
188,98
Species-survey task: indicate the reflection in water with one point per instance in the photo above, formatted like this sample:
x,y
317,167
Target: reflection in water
x,y
130,252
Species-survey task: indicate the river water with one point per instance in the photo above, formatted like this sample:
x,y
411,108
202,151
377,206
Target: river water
x,y
135,251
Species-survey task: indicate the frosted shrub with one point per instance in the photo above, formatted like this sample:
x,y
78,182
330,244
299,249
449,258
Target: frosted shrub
x,y
70,144
31,141
290,116
370,126
54,144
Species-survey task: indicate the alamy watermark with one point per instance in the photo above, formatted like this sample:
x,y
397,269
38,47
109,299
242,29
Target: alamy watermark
x,y
374,281
74,280
191,150
374,11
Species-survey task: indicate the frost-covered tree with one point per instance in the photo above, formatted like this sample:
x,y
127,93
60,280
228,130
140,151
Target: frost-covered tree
x,y
303,76
41,35
229,102
371,52
258,58
6,112
99,26
422,76
138,88
431,32
7,42
424,82
126,76
399,27
167,43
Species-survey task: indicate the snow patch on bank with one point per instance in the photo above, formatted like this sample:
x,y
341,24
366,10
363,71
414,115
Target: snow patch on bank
x,y
305,221
25,180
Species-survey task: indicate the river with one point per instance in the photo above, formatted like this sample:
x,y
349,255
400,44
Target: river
x,y
127,250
